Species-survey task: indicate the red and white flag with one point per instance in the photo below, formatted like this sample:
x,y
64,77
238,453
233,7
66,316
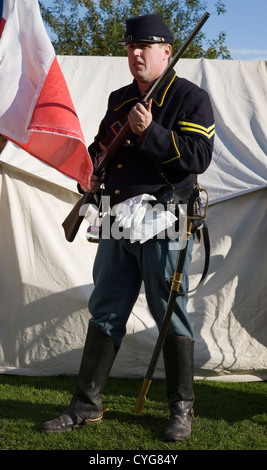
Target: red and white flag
x,y
36,109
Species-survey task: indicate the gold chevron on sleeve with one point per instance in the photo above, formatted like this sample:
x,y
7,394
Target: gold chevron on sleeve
x,y
191,127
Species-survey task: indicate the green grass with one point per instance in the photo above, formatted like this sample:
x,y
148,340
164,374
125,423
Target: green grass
x,y
229,416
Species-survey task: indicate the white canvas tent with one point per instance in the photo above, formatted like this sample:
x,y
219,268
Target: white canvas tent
x,y
45,282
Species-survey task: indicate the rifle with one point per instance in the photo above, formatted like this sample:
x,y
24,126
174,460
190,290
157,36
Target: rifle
x,y
73,221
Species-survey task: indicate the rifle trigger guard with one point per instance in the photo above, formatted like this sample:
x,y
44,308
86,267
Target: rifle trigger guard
x,y
116,126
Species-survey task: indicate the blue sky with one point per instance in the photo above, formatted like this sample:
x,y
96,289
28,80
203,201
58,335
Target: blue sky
x,y
245,25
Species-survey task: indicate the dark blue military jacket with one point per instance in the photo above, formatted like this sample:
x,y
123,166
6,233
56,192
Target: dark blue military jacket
x,y
179,139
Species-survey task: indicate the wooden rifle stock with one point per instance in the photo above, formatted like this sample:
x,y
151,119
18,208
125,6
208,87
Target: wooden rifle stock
x,y
73,221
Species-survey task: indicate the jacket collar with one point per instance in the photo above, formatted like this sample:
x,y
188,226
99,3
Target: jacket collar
x,y
132,92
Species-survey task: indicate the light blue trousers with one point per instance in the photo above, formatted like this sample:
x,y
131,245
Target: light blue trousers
x,y
119,269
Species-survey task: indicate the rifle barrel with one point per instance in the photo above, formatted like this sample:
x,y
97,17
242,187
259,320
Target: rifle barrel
x,y
124,131
177,56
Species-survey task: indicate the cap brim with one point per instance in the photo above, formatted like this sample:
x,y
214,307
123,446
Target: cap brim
x,y
151,39
121,43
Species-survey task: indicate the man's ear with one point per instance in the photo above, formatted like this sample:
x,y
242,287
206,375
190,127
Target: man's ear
x,y
168,51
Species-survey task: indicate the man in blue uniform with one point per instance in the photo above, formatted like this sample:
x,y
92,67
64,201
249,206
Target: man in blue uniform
x,y
170,143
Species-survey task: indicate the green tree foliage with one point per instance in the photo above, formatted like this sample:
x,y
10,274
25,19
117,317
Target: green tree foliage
x,y
91,27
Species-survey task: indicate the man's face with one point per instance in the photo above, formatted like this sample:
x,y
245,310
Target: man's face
x,y
147,61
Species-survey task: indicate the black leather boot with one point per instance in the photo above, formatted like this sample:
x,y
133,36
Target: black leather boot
x,y
178,354
86,405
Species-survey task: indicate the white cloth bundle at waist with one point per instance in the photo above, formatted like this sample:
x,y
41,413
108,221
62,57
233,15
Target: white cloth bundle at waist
x,y
142,217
